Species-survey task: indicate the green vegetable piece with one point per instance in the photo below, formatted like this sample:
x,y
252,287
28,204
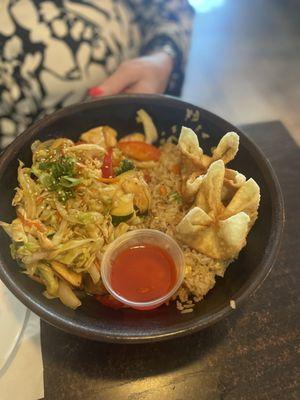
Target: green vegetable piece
x,y
58,176
117,219
125,165
62,166
68,181
175,196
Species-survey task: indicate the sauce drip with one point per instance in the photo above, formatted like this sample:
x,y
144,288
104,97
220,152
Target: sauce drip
x,y
143,273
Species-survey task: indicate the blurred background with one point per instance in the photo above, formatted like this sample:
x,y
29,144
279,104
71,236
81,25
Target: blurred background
x,y
245,60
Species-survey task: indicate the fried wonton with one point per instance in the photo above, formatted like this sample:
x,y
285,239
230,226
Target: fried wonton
x,y
189,145
195,163
213,227
233,180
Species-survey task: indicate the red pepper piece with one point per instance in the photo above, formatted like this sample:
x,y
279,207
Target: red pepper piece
x,y
107,166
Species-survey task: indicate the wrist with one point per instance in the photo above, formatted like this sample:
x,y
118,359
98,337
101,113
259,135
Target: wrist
x,y
169,50
165,60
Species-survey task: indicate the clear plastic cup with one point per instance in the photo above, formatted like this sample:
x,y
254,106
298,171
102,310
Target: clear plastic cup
x,y
138,238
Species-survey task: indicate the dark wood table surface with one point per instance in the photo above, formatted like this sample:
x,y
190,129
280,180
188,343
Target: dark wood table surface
x,y
253,354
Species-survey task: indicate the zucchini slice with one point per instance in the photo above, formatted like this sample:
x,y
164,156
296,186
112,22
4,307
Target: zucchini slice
x,y
116,220
122,208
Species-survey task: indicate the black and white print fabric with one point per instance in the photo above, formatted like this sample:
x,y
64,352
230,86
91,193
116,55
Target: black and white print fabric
x,y
51,52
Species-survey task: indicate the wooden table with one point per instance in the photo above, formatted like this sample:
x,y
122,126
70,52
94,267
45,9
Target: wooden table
x,y
250,355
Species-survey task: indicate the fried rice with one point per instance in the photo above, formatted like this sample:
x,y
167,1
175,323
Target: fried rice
x,y
165,213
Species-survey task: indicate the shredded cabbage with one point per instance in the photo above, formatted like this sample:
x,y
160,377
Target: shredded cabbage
x,y
67,296
29,189
63,205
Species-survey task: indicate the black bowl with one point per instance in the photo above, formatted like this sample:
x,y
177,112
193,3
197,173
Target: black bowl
x,y
242,277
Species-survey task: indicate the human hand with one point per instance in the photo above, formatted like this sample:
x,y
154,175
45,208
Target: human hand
x,y
148,74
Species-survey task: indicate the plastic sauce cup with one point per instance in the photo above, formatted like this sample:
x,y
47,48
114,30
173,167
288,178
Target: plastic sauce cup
x,y
142,237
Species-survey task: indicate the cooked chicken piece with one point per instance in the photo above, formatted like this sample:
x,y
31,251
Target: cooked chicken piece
x,y
103,136
133,182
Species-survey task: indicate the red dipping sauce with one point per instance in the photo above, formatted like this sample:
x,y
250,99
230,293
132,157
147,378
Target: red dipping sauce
x,y
143,273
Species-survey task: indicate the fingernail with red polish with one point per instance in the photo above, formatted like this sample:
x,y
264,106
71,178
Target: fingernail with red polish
x,y
95,91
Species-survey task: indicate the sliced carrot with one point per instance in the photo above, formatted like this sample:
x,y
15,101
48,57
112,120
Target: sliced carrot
x,y
109,301
97,263
108,180
140,151
176,169
58,216
163,190
39,199
33,223
147,177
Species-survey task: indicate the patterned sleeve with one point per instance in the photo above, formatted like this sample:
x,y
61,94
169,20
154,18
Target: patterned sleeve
x,y
166,22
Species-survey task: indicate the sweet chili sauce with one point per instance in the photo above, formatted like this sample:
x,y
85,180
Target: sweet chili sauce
x,y
143,273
